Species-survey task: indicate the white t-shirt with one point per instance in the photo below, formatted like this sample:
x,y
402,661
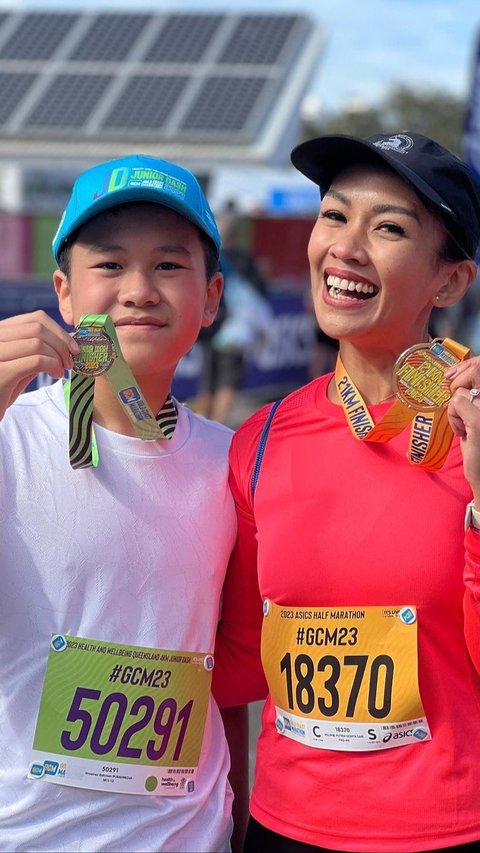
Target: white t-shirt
x,y
132,552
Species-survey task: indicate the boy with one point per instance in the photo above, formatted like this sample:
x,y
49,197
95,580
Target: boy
x,y
119,561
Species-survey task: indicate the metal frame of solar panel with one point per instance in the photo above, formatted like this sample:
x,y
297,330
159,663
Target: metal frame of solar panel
x,y
163,79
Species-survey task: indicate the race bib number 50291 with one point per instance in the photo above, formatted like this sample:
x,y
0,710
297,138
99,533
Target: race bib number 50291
x,y
344,679
121,718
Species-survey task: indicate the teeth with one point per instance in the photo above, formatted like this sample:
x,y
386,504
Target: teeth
x,y
336,285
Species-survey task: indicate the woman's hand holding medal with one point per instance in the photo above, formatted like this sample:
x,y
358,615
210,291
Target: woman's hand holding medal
x,y
464,416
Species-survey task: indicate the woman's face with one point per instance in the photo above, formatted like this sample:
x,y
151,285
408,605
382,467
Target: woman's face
x,y
374,260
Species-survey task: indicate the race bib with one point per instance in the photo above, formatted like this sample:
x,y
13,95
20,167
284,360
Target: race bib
x,y
344,679
121,718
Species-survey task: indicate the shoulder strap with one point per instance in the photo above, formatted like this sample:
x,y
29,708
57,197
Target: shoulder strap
x,y
261,445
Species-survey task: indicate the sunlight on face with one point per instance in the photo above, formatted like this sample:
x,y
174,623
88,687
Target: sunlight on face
x,y
144,265
374,258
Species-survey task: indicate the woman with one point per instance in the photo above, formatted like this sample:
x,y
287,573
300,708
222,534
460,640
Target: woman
x,y
370,735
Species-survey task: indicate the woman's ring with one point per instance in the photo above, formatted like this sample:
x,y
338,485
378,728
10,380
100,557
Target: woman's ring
x,y
474,392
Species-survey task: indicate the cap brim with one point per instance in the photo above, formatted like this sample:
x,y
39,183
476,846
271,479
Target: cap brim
x,y
322,159
125,196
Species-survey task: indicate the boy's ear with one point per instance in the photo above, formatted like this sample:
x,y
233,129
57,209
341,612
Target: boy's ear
x,y
212,299
460,277
64,296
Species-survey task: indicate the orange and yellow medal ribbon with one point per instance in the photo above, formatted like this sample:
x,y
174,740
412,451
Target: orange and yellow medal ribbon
x,y
422,396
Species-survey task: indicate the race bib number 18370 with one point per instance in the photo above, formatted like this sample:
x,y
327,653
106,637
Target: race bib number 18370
x,y
344,679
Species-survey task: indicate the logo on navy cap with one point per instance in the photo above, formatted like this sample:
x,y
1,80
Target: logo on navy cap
x,y
401,143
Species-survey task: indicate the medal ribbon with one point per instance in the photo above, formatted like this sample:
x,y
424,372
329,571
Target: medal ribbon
x,y
430,434
79,393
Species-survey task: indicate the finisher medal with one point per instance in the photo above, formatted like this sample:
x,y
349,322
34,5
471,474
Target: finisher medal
x,y
419,376
100,353
97,351
422,396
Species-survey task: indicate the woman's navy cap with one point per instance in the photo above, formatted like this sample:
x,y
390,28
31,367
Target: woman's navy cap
x,y
135,178
432,170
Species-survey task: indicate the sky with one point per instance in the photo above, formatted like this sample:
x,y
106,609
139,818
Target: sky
x,y
370,45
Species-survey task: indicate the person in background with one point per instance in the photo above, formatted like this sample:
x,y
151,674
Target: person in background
x,y
225,347
111,548
350,558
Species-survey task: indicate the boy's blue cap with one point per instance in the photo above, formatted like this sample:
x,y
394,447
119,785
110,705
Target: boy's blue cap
x,y
135,178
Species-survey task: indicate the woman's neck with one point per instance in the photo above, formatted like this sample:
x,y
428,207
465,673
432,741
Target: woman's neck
x,y
371,372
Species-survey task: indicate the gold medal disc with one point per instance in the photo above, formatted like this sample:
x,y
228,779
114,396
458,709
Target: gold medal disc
x,y
97,352
419,377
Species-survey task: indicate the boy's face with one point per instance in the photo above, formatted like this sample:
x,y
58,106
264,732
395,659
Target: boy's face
x,y
144,265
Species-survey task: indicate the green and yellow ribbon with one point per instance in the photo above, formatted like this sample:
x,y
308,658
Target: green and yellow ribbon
x,y
100,353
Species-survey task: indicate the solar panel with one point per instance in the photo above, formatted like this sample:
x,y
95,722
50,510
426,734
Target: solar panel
x,y
224,104
145,103
109,38
167,79
258,39
37,35
13,87
183,38
67,103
